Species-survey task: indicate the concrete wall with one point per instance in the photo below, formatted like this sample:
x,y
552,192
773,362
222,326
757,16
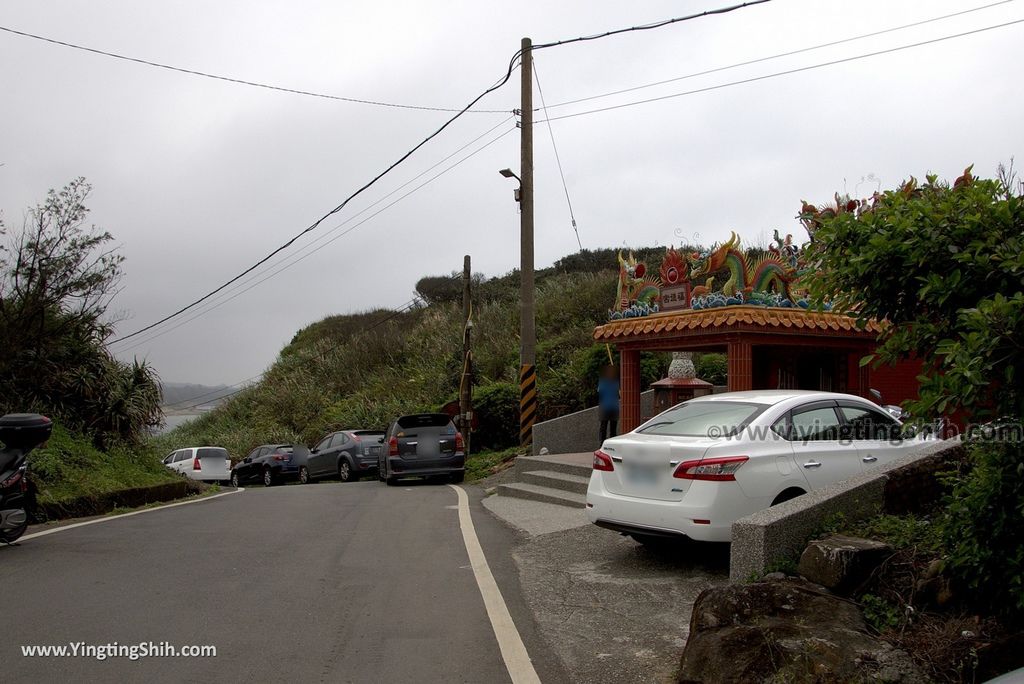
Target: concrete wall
x,y
577,432
781,532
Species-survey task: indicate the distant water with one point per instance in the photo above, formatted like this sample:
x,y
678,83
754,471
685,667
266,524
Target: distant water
x,y
175,420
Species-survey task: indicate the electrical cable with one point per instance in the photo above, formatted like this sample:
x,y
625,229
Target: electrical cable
x,y
239,81
501,81
780,73
777,56
558,159
310,252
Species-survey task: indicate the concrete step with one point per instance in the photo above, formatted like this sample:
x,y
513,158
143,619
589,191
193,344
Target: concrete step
x,y
533,492
572,464
555,480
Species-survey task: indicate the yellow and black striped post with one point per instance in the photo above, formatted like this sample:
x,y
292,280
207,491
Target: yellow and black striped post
x,y
527,403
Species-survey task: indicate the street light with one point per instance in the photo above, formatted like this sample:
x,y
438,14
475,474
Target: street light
x,y
509,173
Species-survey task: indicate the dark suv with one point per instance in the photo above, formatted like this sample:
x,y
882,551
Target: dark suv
x,y
347,455
422,445
270,464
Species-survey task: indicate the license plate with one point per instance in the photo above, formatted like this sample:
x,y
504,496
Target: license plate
x,y
642,475
375,450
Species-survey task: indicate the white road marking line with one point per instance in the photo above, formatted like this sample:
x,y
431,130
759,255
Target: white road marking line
x,y
108,518
513,650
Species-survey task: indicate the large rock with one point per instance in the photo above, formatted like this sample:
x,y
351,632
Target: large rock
x,y
841,563
786,631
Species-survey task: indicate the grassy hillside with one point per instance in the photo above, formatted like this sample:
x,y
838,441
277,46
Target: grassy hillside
x,y
71,466
361,370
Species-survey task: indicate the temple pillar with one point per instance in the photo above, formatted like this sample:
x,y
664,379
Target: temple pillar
x,y
629,385
741,366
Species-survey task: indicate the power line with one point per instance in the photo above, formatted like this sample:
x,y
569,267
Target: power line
x,y
504,79
777,56
652,25
310,252
329,232
323,218
558,159
239,81
782,73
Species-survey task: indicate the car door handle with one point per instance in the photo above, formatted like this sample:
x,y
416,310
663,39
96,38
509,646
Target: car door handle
x,y
812,464
869,459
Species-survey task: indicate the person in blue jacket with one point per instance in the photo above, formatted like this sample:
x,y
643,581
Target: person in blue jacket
x,y
608,401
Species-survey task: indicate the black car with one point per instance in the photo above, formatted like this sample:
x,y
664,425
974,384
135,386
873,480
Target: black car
x,y
347,455
422,445
270,464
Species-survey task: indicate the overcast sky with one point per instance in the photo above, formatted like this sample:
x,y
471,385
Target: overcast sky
x,y
197,179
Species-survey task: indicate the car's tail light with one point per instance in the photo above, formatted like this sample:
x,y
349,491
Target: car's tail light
x,y
356,439
282,457
460,444
714,469
196,465
393,446
603,461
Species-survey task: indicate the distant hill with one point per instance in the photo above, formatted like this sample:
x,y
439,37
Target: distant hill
x,y
185,395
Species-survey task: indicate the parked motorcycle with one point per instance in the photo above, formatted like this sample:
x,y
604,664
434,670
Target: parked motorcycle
x,y
20,433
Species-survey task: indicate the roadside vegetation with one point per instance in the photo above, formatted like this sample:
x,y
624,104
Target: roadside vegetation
x,y
58,275
944,265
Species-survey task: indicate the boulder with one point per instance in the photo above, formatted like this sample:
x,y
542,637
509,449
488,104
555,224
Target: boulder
x,y
786,631
842,564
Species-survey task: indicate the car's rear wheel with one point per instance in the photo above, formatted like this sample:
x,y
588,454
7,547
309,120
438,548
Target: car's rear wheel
x,y
456,478
391,481
345,473
234,480
268,477
304,475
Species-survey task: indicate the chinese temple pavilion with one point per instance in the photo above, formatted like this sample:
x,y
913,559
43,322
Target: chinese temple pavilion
x,y
760,317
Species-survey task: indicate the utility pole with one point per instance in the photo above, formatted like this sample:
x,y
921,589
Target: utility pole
x,y
527,330
466,384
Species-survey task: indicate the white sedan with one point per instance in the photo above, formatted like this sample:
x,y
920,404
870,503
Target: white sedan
x,y
209,464
701,465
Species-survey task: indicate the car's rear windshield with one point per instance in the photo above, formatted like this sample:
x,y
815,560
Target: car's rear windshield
x,y
703,419
425,420
212,452
366,433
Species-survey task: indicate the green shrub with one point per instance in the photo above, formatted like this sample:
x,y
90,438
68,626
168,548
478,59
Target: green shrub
x,y
71,466
984,533
496,405
713,367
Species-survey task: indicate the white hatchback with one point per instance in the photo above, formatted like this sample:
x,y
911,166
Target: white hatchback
x,y
209,464
695,469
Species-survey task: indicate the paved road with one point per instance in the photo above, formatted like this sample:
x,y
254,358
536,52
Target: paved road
x,y
328,582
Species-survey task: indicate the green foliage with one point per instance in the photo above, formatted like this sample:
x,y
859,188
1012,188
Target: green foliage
x,y
901,532
57,277
944,266
70,466
983,529
496,405
713,367
481,465
881,615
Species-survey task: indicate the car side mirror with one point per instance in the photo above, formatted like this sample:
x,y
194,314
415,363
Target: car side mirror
x,y
247,459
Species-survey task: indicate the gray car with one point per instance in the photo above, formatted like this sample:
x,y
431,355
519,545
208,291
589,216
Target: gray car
x,y
422,445
347,455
